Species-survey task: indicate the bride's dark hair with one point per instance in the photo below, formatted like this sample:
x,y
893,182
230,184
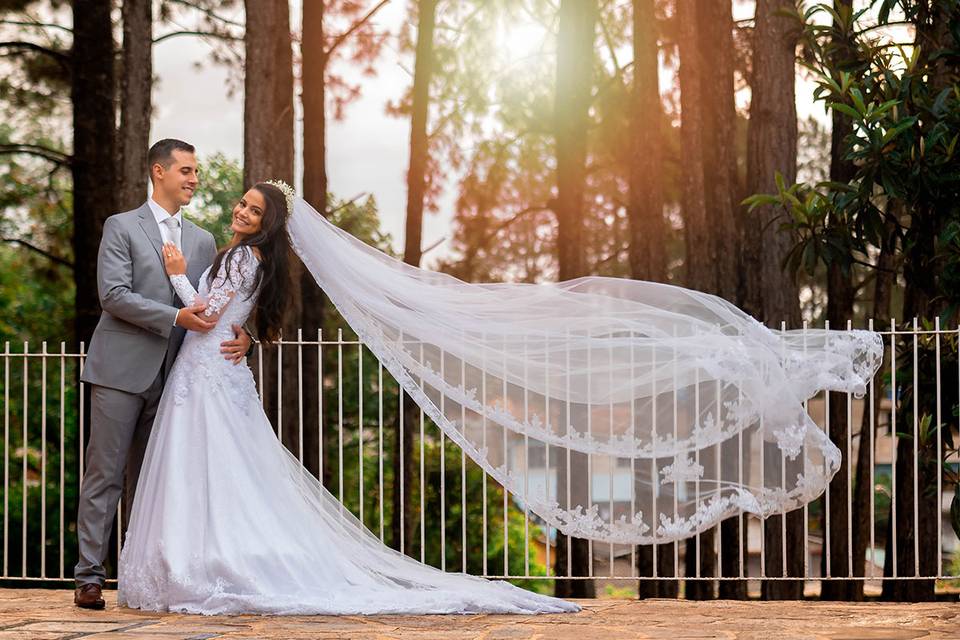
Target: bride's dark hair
x,y
273,272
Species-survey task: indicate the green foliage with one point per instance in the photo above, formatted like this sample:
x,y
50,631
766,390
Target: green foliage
x,y
905,112
221,186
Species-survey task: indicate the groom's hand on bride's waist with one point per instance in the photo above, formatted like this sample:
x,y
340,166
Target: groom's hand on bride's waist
x,y
190,318
235,350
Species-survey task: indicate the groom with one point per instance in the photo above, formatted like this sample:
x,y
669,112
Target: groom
x,y
134,346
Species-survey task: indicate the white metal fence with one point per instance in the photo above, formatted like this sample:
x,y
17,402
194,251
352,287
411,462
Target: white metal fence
x,y
457,517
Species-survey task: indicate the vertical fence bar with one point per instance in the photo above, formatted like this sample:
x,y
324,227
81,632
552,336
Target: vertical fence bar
x,y
806,505
6,457
696,480
873,486
25,448
850,476
783,485
763,486
742,534
633,458
423,532
483,437
280,389
654,474
526,460
82,421
300,395
827,547
547,475
403,471
260,372
463,470
893,435
340,415
590,438
443,465
676,427
360,424
63,402
320,404
380,442
43,459
612,461
916,455
936,336
506,467
566,431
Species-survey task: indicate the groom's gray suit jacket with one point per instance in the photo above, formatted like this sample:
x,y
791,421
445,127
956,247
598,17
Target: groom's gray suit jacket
x,y
136,335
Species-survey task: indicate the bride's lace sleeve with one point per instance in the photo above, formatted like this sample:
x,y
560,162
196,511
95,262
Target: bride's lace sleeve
x,y
235,277
185,291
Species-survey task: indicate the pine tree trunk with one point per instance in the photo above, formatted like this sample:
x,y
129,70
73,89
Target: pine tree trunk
x,y
94,150
700,556
268,154
574,83
648,228
136,83
313,79
412,253
648,259
772,295
722,193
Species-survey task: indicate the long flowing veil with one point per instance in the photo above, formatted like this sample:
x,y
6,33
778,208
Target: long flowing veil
x,y
616,410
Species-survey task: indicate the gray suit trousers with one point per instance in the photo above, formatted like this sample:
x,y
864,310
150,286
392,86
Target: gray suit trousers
x,y
120,429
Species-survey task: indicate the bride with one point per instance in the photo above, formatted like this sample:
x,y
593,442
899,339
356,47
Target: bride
x,y
616,410
225,519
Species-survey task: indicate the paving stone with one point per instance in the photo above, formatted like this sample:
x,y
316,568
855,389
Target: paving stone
x,y
42,614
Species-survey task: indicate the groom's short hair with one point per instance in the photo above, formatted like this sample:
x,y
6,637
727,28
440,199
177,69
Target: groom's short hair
x,y
162,152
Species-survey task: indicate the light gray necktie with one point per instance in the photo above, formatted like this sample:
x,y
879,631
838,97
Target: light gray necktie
x,y
173,230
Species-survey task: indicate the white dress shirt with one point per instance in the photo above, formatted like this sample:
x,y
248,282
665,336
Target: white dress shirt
x,y
166,234
161,215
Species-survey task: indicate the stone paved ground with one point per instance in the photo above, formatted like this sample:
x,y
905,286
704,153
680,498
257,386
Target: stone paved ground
x,y
41,614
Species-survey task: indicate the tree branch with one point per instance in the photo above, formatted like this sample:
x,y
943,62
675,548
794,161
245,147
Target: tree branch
x,y
202,34
48,154
59,56
353,28
208,12
46,254
42,25
506,223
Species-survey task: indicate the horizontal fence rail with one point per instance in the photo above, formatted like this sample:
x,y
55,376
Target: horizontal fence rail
x,y
347,420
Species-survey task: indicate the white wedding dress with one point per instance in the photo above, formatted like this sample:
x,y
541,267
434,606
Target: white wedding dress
x,y
227,521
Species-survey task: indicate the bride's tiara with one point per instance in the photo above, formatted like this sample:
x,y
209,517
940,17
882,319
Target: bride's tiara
x,y
287,190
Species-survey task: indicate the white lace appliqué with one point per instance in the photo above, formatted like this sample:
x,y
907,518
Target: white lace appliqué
x,y
200,367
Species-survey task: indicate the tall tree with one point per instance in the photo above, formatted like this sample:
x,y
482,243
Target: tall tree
x,y
771,294
94,149
722,188
412,249
840,298
648,260
700,556
136,82
268,154
571,118
648,228
318,48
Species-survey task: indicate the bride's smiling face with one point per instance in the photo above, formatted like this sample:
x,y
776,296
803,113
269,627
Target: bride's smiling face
x,y
248,214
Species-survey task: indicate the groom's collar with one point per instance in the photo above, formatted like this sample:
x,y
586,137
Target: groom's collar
x,y
161,214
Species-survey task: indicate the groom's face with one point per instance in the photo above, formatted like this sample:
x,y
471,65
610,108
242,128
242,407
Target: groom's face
x,y
178,181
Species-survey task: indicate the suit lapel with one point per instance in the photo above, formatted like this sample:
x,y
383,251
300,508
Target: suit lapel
x,y
149,225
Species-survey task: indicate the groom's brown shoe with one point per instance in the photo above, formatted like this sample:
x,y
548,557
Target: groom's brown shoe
x,y
89,596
